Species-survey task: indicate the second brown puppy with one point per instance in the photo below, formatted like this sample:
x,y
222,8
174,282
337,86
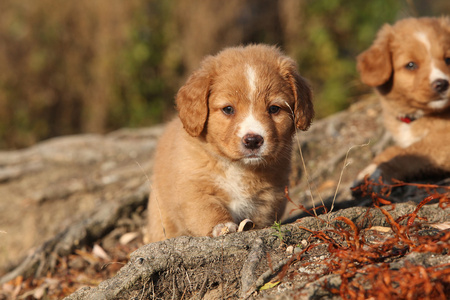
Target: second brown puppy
x,y
409,65
227,157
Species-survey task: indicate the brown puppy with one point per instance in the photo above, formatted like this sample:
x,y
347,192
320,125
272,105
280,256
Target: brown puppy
x,y
227,157
409,65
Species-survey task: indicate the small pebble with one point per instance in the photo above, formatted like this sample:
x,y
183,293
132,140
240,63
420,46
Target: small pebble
x,y
290,249
297,250
284,286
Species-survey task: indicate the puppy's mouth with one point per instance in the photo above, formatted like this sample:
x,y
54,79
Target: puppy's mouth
x,y
252,157
441,89
253,160
439,103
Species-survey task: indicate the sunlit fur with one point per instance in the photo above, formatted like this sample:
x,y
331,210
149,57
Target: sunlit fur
x,y
403,64
204,176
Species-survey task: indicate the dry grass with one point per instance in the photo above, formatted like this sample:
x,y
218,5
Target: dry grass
x,y
363,266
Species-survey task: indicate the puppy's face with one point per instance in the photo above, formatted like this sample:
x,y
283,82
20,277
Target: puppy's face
x,y
409,63
246,102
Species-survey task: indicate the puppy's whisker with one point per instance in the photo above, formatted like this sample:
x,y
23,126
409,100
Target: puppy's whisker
x,y
283,155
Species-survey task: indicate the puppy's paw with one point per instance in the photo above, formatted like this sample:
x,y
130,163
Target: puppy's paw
x,y
372,170
224,228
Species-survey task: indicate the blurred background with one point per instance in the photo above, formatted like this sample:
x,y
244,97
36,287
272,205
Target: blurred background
x,y
94,66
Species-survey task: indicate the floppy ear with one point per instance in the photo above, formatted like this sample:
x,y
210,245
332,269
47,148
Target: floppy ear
x,y
192,99
303,107
375,64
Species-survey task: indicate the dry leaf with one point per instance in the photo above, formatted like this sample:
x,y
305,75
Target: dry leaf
x,y
269,285
441,226
245,225
380,228
99,252
128,237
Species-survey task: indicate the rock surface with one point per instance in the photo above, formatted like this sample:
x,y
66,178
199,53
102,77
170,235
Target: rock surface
x,y
238,265
60,183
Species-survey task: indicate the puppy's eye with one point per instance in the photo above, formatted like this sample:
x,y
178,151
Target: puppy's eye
x,y
447,61
411,66
228,110
273,109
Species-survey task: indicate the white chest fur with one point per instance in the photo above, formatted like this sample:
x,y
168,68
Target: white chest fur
x,y
241,205
405,135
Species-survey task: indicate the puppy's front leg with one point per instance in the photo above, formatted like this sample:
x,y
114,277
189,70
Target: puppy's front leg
x,y
380,166
405,163
208,216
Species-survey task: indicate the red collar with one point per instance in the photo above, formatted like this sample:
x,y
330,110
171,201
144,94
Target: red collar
x,y
406,118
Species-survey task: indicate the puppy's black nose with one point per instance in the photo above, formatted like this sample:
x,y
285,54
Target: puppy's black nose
x,y
440,85
252,141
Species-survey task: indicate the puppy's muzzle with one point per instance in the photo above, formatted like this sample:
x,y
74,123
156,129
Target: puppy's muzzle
x,y
252,141
440,85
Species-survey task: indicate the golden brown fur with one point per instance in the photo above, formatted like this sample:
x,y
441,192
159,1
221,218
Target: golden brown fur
x,y
409,65
227,156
